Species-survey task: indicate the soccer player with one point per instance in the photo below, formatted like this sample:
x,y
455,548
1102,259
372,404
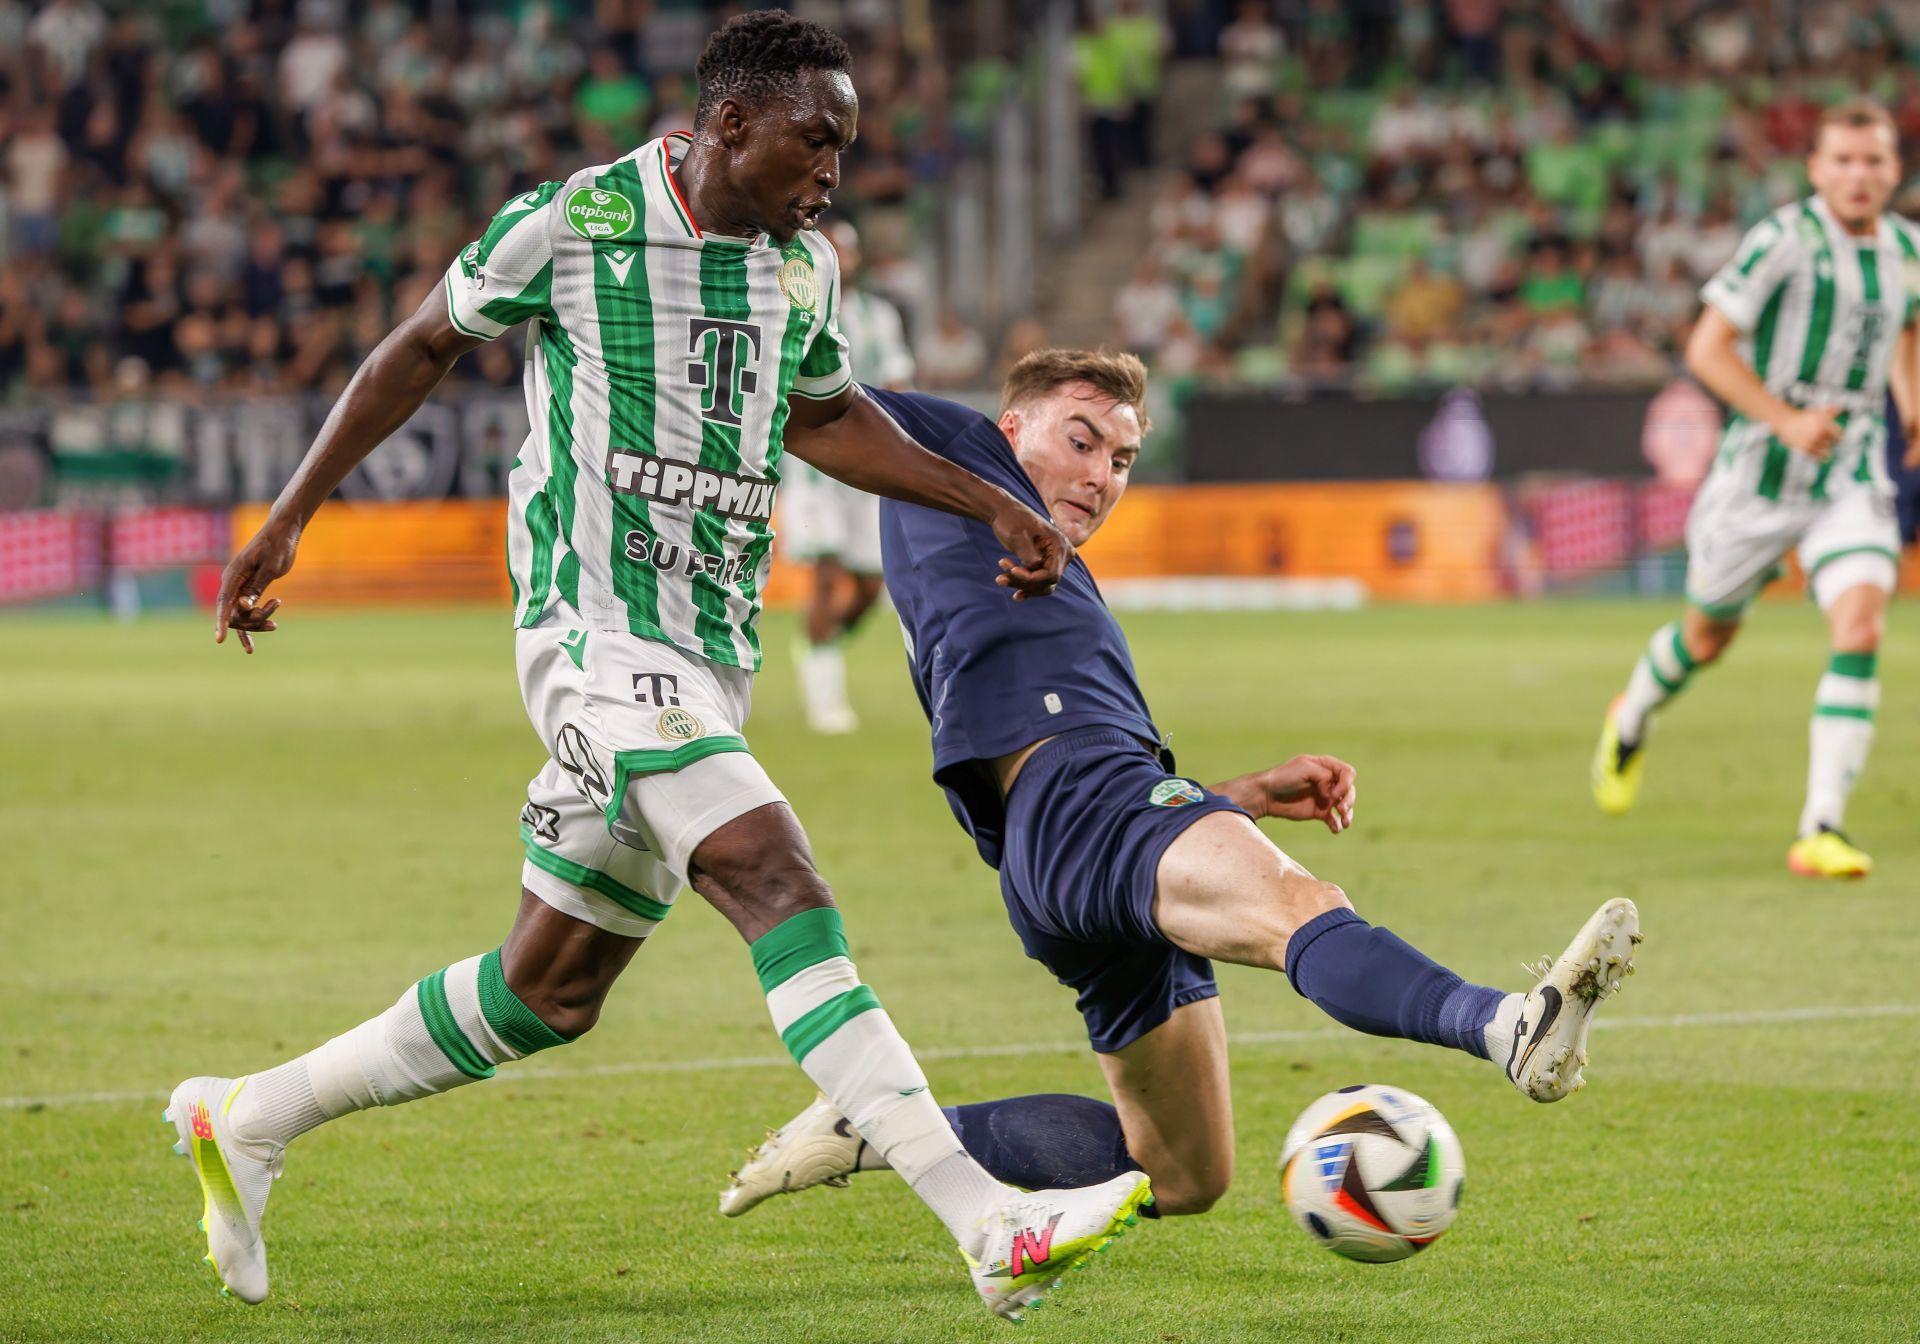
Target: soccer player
x,y
836,527
1800,335
1121,876
682,334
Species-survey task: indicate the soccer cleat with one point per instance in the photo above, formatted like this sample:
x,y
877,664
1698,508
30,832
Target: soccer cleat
x,y
1828,853
816,1147
1615,773
235,1179
1550,1039
1032,1239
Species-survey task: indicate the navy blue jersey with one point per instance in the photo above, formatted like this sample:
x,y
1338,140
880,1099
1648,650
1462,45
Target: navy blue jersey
x,y
994,675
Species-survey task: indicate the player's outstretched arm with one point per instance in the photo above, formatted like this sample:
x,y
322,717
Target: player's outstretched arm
x,y
1904,381
1714,360
851,439
385,392
1306,788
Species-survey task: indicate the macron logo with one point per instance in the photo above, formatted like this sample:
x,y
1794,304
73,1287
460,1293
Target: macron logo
x,y
621,264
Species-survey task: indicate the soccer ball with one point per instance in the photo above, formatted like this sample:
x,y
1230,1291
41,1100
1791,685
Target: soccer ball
x,y
1372,1172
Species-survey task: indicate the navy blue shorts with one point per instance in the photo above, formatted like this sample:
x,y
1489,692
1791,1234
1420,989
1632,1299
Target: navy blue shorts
x,y
1087,821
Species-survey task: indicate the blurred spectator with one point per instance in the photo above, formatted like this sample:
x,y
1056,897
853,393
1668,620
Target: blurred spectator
x,y
1101,68
954,356
1250,47
36,170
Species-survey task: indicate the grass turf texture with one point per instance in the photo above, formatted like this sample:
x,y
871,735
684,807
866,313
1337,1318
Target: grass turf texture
x,y
216,862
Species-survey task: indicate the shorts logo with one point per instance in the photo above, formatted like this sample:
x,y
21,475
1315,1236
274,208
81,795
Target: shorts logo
x,y
593,213
799,283
543,822
1176,793
575,755
676,725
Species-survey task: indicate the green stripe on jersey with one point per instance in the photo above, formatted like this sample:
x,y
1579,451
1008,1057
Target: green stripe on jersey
x,y
1820,317
627,342
723,295
431,995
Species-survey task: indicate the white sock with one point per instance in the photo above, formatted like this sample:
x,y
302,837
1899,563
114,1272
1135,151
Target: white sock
x,y
837,1032
1499,1032
1839,738
823,681
450,1029
1659,675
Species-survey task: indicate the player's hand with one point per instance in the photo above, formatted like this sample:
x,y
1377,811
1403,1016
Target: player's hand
x,y
1813,431
1311,788
1040,551
262,560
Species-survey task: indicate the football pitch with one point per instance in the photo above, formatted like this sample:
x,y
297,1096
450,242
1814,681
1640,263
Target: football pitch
x,y
215,862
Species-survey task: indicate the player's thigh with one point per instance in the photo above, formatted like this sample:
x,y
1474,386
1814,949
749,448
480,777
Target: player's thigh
x,y
1851,555
648,761
1226,892
1736,539
1172,1090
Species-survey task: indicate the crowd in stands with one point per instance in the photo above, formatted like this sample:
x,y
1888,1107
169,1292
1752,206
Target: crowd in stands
x,y
221,196
1515,192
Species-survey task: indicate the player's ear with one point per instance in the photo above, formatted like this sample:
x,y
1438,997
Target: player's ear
x,y
734,120
1009,423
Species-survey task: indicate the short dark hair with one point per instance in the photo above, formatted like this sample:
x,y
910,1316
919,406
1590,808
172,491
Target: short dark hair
x,y
761,54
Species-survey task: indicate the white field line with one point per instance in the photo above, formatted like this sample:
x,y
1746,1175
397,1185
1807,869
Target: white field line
x,y
1013,1049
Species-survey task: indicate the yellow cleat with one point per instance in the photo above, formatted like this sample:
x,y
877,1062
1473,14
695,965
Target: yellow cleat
x,y
1827,853
1616,782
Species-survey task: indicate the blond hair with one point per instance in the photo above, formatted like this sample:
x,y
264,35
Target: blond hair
x,y
1855,112
1116,375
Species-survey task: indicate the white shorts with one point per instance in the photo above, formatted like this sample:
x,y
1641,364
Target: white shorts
x,y
820,518
647,762
1736,540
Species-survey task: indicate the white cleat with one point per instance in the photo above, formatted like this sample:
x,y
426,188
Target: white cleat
x,y
1033,1239
235,1179
816,1147
1550,1040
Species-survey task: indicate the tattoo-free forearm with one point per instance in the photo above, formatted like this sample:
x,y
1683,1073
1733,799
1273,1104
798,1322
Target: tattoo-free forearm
x,y
1712,359
1246,792
864,448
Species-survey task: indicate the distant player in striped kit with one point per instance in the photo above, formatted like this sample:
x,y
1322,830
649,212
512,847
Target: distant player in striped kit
x,y
833,526
1802,334
682,338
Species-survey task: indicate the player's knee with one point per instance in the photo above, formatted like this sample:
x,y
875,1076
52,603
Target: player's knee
x,y
1178,1193
1859,632
1310,899
776,885
568,1004
1707,640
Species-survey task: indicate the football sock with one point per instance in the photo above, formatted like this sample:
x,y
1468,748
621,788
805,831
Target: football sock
x,y
1366,978
823,679
450,1029
1839,737
842,1038
1661,674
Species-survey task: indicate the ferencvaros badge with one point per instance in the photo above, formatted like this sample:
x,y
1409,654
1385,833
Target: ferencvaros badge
x,y
799,283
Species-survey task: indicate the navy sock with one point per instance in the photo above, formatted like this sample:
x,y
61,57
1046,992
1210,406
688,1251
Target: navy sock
x,y
1367,979
1052,1141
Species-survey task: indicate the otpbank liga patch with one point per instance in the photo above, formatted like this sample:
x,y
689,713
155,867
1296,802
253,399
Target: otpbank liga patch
x,y
1176,793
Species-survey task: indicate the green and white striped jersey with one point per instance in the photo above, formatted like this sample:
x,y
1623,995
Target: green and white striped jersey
x,y
1820,309
658,370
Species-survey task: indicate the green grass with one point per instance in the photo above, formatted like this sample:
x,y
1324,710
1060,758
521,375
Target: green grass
x,y
215,862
